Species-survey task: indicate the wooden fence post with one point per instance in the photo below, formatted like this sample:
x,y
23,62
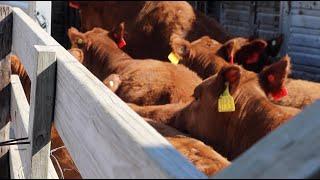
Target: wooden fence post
x,y
42,109
5,71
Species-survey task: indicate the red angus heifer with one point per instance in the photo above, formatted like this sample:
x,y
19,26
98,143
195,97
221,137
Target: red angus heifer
x,y
146,82
150,24
230,133
201,155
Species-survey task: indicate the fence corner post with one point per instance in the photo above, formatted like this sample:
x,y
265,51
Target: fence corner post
x,y
42,101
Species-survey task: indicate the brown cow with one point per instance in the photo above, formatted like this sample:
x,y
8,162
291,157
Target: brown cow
x,y
202,156
146,82
231,133
150,24
207,61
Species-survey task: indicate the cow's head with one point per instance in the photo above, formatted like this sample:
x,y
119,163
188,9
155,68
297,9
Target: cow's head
x,y
242,50
186,49
248,90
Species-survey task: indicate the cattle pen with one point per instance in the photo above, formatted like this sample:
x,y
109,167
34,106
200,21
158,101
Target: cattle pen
x,y
106,138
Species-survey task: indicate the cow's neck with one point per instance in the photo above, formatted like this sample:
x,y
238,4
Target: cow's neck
x,y
205,64
257,119
107,57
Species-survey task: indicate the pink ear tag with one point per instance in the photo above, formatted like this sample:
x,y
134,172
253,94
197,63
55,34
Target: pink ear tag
x,y
122,43
279,94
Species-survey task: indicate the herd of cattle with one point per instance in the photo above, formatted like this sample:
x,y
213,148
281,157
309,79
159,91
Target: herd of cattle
x,y
126,45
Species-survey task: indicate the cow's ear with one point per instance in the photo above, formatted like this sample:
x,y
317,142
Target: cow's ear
x,y
272,78
180,46
226,51
77,39
230,74
250,53
118,34
77,53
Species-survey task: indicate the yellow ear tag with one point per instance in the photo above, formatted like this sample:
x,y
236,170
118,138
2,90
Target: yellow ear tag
x,y
79,41
226,101
174,59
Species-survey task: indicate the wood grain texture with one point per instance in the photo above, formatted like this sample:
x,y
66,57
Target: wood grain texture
x,y
106,138
41,109
20,154
291,151
26,33
5,48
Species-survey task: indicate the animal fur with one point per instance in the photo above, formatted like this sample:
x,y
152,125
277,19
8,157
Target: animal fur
x,y
230,133
146,82
151,24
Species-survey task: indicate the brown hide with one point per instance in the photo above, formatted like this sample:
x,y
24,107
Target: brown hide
x,y
301,93
151,24
60,157
202,156
200,55
146,82
231,133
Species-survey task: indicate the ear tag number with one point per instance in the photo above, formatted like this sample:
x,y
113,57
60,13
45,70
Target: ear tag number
x,y
174,59
226,101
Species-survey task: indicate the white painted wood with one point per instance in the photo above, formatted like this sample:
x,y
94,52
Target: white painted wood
x,y
105,137
19,111
20,154
15,160
41,109
26,33
291,151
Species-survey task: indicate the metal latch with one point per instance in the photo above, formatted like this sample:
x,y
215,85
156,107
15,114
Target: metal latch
x,y
41,20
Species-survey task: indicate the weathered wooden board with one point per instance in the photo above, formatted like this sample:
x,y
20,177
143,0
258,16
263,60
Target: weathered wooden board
x,y
291,151
26,33
5,48
42,109
106,138
20,154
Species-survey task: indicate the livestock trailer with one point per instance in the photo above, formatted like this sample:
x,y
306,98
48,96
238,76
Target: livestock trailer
x,y
106,138
299,21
